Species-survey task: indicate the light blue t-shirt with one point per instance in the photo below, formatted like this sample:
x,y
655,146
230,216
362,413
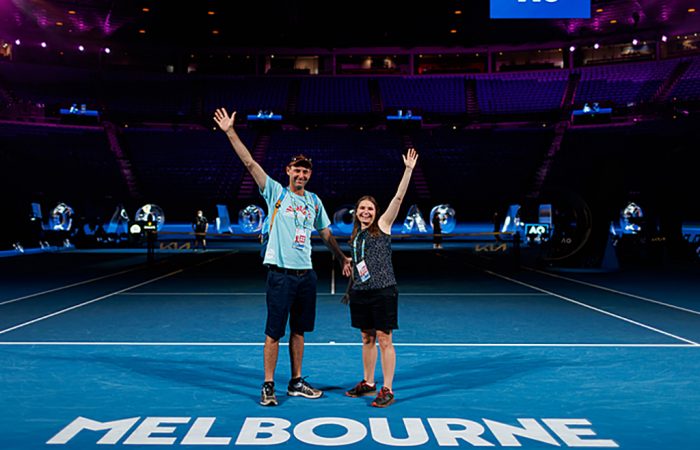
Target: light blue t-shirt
x,y
296,212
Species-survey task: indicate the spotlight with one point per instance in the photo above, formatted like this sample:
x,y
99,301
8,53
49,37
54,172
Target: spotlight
x,y
17,42
596,46
635,42
664,38
43,45
572,48
81,48
107,50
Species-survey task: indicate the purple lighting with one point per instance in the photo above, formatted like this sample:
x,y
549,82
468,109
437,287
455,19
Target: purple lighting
x,y
635,42
572,48
43,45
107,50
664,38
81,48
596,46
17,42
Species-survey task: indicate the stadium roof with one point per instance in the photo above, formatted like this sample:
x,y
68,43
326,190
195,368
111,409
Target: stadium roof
x,y
326,24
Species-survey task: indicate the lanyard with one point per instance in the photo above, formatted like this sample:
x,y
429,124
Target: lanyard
x,y
354,246
306,207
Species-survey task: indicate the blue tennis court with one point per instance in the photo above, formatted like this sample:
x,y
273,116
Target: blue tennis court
x,y
99,349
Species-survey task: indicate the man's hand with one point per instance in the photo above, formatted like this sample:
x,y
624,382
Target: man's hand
x,y
332,244
223,120
347,267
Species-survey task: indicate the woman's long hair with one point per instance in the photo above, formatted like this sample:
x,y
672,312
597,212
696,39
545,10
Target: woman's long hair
x,y
356,226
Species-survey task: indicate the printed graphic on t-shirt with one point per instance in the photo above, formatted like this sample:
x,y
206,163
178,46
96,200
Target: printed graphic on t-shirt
x,y
301,212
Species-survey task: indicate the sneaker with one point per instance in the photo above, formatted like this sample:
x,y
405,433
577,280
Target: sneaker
x,y
361,389
384,399
303,389
267,394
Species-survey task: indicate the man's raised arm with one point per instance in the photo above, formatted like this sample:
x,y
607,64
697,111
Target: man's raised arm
x,y
225,123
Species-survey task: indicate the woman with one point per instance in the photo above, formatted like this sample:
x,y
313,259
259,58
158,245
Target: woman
x,y
373,296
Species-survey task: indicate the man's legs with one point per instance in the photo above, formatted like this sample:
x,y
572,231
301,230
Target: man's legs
x,y
296,353
302,319
277,311
298,387
270,353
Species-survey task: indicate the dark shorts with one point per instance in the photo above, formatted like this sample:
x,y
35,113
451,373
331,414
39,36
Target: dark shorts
x,y
290,296
375,309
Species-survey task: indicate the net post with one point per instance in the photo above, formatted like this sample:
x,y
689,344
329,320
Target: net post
x,y
332,274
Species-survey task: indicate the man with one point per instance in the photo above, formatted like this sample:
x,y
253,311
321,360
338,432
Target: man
x,y
200,226
437,231
291,282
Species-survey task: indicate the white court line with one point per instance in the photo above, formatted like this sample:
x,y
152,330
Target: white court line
x,y
614,291
607,313
47,316
338,344
68,286
434,294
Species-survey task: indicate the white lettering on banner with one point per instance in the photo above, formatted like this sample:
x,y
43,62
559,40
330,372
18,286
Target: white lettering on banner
x,y
117,429
381,433
505,434
265,431
355,431
199,431
150,425
469,431
276,428
571,436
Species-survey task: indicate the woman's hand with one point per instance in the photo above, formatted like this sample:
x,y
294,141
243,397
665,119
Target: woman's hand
x,y
410,158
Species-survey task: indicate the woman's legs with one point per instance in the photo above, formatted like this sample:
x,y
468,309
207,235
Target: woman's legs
x,y
386,346
369,354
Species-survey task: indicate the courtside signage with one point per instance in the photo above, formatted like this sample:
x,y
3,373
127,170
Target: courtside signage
x,y
272,431
540,9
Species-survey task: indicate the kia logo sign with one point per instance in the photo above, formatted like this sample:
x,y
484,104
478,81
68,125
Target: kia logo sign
x,y
540,9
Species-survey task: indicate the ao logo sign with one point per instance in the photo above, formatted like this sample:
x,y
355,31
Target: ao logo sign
x,y
536,229
540,9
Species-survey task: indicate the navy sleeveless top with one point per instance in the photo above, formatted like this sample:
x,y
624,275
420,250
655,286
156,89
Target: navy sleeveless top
x,y
376,252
